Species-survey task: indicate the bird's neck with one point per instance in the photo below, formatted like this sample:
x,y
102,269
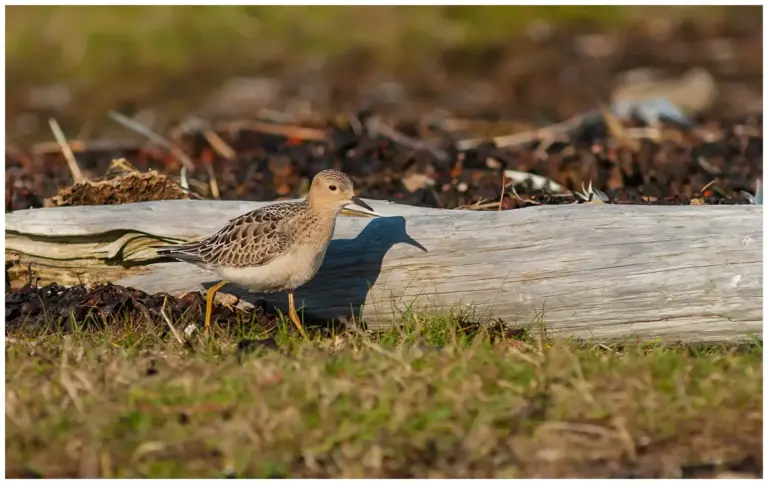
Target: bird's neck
x,y
319,223
323,210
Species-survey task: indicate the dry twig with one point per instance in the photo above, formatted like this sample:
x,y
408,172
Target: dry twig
x,y
306,134
170,325
212,181
123,164
503,189
78,146
377,127
218,144
156,138
525,137
77,175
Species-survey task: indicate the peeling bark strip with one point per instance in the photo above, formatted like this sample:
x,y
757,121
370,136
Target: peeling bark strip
x,y
688,273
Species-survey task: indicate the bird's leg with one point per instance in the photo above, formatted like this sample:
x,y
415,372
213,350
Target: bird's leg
x,y
209,303
294,316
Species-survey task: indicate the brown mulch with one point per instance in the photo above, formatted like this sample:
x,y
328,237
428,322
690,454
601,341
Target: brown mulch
x,y
713,163
63,309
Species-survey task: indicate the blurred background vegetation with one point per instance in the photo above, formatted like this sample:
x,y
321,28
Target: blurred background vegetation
x,y
99,45
174,55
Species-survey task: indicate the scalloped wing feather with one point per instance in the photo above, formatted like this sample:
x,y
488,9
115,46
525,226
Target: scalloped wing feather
x,y
252,239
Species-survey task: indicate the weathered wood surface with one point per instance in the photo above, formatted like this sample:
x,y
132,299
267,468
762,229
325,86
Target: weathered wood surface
x,y
601,272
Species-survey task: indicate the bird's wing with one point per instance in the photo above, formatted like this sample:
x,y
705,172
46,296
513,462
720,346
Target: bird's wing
x,y
250,240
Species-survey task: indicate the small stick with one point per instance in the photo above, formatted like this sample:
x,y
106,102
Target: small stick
x,y
212,181
141,129
526,200
122,163
168,321
525,137
376,126
704,188
77,146
306,134
503,188
478,206
191,193
67,151
219,144
199,186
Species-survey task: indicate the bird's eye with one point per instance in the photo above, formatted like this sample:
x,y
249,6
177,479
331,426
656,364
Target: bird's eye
x,y
333,188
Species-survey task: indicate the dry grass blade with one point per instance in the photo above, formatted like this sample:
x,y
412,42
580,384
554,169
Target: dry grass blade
x,y
156,138
218,144
212,181
69,386
479,205
123,164
375,126
578,428
170,325
77,175
297,132
526,137
704,188
518,197
503,189
64,378
77,146
184,183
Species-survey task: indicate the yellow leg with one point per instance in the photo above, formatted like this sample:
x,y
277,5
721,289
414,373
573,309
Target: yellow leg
x,y
295,317
209,303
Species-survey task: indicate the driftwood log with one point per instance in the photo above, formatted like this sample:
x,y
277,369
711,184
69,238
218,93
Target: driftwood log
x,y
601,272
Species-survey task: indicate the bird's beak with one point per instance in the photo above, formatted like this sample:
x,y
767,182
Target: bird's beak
x,y
410,241
352,209
356,200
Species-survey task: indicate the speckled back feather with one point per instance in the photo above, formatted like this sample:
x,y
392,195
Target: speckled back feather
x,y
252,239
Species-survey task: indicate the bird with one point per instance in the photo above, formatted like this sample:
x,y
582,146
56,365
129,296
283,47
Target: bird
x,y
275,248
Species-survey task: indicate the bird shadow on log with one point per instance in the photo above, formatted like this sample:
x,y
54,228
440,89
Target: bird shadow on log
x,y
341,286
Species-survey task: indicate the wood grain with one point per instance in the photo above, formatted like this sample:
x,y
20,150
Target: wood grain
x,y
604,272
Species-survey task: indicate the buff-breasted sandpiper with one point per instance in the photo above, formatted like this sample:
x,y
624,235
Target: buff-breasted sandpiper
x,y
276,248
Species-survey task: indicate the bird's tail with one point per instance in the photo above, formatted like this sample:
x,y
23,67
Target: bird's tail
x,y
184,252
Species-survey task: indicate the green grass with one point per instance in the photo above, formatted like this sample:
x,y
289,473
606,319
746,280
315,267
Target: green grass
x,y
98,44
438,398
